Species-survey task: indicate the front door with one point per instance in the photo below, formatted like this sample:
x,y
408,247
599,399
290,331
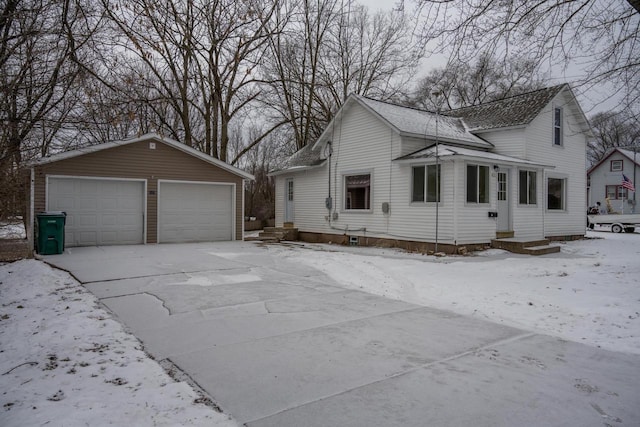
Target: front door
x,y
504,211
288,201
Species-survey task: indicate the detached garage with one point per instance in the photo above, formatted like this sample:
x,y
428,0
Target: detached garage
x,y
144,190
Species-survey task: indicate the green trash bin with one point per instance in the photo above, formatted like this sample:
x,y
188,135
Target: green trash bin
x,y
50,238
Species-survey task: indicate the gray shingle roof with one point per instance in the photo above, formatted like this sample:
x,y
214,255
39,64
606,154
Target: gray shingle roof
x,y
423,123
514,111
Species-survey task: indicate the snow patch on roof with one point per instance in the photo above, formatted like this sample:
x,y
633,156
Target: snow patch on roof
x,y
423,123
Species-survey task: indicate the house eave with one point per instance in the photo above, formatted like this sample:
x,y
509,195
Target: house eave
x,y
498,129
296,169
151,137
491,158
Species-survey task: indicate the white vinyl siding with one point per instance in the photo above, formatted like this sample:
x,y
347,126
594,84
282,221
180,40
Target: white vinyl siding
x,y
569,161
509,142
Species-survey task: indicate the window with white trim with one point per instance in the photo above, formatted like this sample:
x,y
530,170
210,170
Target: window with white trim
x,y
357,192
556,194
527,187
557,126
616,166
477,184
425,181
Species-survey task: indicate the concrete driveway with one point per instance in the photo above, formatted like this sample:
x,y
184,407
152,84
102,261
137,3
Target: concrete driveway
x,y
280,344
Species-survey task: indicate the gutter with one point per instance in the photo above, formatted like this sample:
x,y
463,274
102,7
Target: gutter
x,y
296,169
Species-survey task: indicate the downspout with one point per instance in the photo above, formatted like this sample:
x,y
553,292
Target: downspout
x,y
329,201
30,226
635,182
543,202
438,192
244,183
454,167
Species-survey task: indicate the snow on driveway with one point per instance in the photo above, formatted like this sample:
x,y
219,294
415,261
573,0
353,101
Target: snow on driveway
x,y
590,293
65,361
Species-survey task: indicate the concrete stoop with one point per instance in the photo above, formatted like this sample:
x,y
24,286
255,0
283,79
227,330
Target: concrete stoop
x,y
523,246
276,234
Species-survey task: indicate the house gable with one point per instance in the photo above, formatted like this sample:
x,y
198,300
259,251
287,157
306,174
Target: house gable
x,y
628,154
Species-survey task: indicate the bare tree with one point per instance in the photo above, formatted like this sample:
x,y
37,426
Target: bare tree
x,y
462,84
371,55
197,57
612,129
328,49
600,36
38,42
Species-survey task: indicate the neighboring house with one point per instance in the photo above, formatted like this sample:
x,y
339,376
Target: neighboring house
x,y
513,167
604,180
143,190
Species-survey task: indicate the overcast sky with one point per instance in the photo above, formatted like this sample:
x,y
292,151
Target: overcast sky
x,y
594,101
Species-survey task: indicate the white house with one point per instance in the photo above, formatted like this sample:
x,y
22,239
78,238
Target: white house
x,y
605,180
384,172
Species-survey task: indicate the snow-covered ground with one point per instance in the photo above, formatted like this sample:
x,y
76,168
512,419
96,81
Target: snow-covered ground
x,y
589,293
13,229
65,361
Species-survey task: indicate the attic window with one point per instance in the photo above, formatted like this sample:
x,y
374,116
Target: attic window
x,y
357,192
616,165
557,126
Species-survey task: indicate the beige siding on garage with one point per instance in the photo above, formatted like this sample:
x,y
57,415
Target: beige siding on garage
x,y
138,161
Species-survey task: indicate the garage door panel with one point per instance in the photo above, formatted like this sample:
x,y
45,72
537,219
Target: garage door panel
x,y
88,237
109,203
189,212
99,211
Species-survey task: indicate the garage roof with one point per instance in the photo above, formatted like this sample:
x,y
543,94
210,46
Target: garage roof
x,y
147,137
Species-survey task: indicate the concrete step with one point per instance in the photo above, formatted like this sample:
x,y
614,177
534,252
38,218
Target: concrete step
x,y
279,233
524,246
504,234
542,250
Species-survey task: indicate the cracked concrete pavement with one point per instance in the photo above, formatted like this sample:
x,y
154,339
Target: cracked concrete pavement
x,y
280,344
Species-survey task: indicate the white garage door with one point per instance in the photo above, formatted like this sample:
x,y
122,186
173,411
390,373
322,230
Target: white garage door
x,y
194,212
99,211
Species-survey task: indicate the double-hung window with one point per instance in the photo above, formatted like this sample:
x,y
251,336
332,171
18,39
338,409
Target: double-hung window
x,y
617,192
425,183
527,187
556,194
557,126
357,192
477,184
